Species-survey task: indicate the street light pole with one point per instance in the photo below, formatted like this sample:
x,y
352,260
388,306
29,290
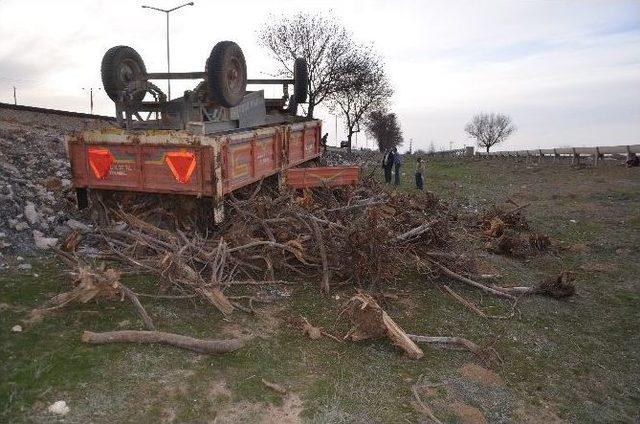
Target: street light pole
x,y
90,89
167,11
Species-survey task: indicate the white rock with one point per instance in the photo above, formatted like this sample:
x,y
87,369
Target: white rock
x,y
77,225
25,267
20,226
16,329
59,407
43,242
30,213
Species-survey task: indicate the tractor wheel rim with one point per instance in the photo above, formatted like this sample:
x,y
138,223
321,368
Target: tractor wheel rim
x,y
234,76
128,71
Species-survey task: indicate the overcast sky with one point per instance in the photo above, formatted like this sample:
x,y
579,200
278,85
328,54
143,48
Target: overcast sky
x,y
567,72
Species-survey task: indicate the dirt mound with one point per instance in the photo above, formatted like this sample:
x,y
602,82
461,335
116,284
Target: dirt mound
x,y
480,375
467,413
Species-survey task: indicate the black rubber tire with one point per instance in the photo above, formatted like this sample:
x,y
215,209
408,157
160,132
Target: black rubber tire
x,y
120,65
226,72
292,107
300,80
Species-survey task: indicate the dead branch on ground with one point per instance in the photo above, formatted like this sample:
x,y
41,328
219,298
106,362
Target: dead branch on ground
x,y
177,340
488,353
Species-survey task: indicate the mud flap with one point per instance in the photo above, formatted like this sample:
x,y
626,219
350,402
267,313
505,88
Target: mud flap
x,y
82,197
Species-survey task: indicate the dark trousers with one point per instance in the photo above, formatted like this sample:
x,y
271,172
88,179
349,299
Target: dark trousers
x,y
397,181
387,174
419,181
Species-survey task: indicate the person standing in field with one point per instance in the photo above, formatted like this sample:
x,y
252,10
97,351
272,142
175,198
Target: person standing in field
x,y
387,165
323,142
419,174
397,161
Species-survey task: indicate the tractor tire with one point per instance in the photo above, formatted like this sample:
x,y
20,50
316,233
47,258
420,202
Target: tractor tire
x,y
226,72
120,66
300,80
292,107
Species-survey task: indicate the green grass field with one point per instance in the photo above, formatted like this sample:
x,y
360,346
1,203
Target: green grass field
x,y
563,361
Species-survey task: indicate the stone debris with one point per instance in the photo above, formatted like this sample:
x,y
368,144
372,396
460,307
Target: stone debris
x,y
59,408
31,214
43,242
364,158
37,200
77,225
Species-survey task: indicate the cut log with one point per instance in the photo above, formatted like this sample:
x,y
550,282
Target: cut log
x,y
372,321
177,340
218,299
400,338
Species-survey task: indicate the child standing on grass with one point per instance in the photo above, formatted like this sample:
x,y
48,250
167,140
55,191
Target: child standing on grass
x,y
419,174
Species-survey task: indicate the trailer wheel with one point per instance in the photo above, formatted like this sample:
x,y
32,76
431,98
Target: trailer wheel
x,y
300,80
226,72
292,107
120,66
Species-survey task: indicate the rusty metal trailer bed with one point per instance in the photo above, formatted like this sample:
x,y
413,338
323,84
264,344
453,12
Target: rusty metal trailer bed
x,y
165,161
215,139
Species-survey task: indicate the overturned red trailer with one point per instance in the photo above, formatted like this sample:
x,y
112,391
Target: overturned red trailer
x,y
215,139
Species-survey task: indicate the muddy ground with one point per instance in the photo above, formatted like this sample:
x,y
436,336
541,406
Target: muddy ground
x,y
563,361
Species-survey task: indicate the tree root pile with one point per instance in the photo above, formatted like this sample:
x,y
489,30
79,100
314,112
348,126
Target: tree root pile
x,y
507,232
364,237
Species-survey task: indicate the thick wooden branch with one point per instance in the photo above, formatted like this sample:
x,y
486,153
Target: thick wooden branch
x,y
466,280
324,285
129,294
487,353
177,340
414,232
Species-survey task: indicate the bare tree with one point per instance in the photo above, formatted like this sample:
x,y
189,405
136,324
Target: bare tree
x,y
384,128
362,87
320,39
490,129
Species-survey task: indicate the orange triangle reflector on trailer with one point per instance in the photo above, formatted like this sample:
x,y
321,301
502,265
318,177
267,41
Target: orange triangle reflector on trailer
x,y
181,165
100,161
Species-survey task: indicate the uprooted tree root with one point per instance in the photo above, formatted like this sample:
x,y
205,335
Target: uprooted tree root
x,y
558,287
371,321
363,236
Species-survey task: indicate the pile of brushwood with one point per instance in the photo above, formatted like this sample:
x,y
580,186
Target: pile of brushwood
x,y
362,237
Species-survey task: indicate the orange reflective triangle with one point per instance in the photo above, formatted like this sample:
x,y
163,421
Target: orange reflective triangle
x,y
181,164
100,161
